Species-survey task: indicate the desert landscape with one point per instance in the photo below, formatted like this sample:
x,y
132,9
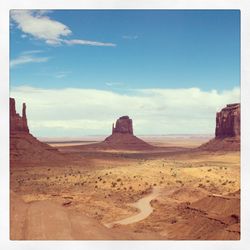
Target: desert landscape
x,y
124,187
125,124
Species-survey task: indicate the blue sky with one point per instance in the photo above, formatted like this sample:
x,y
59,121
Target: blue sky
x,y
124,51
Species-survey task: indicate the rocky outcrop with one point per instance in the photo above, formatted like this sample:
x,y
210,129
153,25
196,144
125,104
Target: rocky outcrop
x,y
227,131
123,138
24,147
228,121
123,125
18,123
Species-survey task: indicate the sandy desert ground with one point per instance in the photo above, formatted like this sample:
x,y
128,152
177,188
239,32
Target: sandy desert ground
x,y
170,194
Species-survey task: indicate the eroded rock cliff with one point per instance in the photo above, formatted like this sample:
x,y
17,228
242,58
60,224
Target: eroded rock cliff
x,y
227,130
24,147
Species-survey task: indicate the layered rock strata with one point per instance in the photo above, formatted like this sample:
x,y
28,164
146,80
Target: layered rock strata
x,y
227,131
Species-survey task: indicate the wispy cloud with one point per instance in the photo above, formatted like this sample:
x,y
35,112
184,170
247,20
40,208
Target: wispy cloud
x,y
86,42
40,26
28,57
62,74
130,37
114,84
92,111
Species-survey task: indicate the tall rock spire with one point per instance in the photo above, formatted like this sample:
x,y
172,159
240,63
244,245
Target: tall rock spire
x,y
18,123
24,119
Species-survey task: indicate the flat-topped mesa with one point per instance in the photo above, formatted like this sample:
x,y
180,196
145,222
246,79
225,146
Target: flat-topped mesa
x,y
228,121
227,131
18,123
123,125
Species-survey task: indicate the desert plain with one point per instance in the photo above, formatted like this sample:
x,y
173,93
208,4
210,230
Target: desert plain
x,y
176,191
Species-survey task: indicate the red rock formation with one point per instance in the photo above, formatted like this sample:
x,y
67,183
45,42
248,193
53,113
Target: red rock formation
x,y
227,131
17,122
123,138
228,121
123,125
24,147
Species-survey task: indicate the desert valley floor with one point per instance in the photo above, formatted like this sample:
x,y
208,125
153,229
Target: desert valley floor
x,y
174,192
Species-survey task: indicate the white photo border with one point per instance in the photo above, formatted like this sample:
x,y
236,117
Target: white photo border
x,y
242,5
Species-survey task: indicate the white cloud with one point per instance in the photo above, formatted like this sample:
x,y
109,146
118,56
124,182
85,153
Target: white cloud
x,y
90,43
28,57
78,112
114,84
39,26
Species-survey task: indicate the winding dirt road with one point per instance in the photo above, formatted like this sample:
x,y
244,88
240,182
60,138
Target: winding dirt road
x,y
144,207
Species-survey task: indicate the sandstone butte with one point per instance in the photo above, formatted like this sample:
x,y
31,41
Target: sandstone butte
x,y
122,137
24,147
227,131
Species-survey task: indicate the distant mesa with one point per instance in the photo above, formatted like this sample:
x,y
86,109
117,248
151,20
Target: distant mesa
x,y
123,138
24,147
227,131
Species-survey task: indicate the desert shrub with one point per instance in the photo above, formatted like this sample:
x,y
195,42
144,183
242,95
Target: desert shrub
x,y
173,221
113,184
